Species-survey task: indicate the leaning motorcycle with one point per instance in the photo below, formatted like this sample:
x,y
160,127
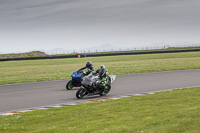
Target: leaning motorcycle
x,y
89,87
76,80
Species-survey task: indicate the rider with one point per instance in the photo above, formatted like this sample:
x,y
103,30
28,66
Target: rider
x,y
103,75
89,67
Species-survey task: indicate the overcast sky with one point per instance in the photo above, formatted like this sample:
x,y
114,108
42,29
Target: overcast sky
x,y
47,24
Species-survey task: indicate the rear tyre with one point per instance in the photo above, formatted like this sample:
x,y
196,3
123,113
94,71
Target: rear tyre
x,y
105,90
81,93
69,85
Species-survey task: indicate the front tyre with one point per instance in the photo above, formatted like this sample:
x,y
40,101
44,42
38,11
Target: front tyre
x,y
69,85
81,93
105,90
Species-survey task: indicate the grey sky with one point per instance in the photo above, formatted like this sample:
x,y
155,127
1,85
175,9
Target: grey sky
x,y
71,24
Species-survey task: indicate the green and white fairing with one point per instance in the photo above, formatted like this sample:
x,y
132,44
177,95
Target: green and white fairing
x,y
112,78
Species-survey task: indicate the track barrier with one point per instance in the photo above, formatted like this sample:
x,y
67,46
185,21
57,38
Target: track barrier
x,y
101,54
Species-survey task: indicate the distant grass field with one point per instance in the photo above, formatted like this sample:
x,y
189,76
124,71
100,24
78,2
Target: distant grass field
x,y
42,54
56,69
174,111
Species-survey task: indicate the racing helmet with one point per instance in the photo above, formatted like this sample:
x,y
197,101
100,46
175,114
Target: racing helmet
x,y
101,69
88,64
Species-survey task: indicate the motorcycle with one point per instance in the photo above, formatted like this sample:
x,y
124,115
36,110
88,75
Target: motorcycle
x,y
89,87
76,80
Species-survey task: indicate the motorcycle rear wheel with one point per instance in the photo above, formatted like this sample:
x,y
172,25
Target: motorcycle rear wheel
x,y
81,93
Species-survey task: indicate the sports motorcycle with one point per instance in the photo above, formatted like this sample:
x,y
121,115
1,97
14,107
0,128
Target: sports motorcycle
x,y
76,79
90,88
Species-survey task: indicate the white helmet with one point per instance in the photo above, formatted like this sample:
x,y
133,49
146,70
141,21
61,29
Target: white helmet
x,y
101,68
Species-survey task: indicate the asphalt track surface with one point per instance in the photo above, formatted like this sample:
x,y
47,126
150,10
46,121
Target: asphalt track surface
x,y
28,95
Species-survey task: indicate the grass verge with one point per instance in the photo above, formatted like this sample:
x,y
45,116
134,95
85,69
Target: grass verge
x,y
171,111
55,69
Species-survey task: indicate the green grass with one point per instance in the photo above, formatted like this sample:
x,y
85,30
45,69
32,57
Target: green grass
x,y
174,111
56,69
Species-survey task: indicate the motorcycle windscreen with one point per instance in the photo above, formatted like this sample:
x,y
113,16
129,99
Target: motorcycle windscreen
x,y
87,81
112,77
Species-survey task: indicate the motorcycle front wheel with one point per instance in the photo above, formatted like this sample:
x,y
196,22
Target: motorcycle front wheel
x,y
105,90
81,93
